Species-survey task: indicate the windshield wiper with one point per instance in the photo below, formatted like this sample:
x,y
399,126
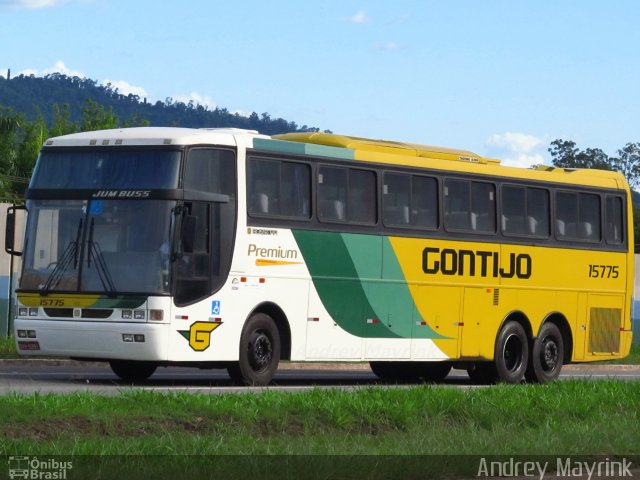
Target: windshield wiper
x,y
96,254
70,254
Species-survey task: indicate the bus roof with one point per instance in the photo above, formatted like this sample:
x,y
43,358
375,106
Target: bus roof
x,y
440,158
153,136
386,146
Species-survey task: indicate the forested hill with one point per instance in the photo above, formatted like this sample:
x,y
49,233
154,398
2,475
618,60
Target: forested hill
x,y
33,96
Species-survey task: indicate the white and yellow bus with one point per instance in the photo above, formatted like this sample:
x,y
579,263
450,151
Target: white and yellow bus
x,y
225,248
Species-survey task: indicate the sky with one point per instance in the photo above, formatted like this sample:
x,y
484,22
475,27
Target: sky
x,y
502,78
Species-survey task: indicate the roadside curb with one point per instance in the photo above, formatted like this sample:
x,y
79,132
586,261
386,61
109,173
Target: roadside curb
x,y
60,362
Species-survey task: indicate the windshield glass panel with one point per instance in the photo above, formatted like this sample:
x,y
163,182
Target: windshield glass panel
x,y
105,246
113,168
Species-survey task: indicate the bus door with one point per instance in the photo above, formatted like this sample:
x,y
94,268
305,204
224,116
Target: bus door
x,y
480,321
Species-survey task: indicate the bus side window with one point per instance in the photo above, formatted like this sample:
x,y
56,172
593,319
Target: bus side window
x,y
566,215
613,220
295,189
538,212
361,206
332,193
457,205
513,210
263,178
211,170
589,221
483,207
424,202
578,216
396,199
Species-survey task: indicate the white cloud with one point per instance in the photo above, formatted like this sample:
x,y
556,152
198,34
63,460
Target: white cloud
x,y
30,4
387,46
197,99
518,149
125,88
58,67
242,113
359,17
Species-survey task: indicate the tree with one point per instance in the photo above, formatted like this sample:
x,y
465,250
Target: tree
x,y
565,154
628,163
9,123
95,117
62,123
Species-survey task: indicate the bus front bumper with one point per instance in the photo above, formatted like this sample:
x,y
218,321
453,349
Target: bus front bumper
x,y
104,340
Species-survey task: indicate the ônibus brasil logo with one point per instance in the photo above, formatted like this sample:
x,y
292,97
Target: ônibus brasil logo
x,y
38,469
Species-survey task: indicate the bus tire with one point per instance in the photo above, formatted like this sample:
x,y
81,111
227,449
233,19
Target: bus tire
x,y
547,354
434,371
259,352
483,373
132,371
511,353
396,371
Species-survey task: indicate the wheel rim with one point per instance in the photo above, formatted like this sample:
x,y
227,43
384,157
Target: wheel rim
x,y
260,351
549,354
512,353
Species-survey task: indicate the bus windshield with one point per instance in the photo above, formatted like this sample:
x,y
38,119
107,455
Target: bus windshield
x,y
103,246
113,168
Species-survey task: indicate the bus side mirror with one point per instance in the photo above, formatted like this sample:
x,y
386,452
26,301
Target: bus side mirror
x,y
10,231
188,235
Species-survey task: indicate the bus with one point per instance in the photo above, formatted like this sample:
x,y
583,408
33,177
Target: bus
x,y
224,248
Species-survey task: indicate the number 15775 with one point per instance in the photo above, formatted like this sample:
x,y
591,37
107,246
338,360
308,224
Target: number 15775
x,y
603,271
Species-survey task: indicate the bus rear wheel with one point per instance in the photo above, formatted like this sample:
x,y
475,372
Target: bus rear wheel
x,y
512,353
546,355
259,352
132,371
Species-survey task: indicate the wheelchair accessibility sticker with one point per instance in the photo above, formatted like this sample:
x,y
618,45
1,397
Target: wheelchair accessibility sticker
x,y
215,307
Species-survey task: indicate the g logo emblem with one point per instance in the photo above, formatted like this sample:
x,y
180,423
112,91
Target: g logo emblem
x,y
199,335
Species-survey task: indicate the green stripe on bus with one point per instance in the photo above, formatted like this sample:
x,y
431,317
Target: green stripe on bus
x,y
364,294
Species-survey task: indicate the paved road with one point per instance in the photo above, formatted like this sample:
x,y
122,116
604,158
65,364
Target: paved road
x,y
68,377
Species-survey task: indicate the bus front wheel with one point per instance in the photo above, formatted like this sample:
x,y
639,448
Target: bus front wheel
x,y
546,355
259,352
132,371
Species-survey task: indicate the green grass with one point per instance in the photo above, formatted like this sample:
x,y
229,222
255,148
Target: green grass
x,y
632,359
569,417
8,348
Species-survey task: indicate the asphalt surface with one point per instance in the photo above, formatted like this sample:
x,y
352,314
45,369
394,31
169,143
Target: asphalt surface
x,y
27,376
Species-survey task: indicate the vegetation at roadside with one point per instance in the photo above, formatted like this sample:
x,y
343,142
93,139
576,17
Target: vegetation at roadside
x,y
8,348
568,417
